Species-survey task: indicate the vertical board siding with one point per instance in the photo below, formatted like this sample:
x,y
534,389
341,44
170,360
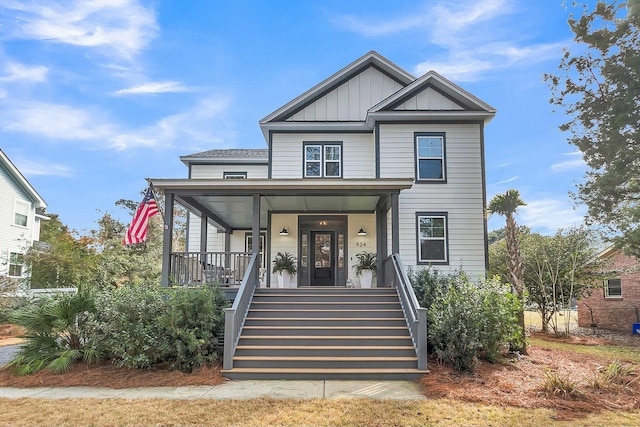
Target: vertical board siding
x,y
217,171
429,99
358,154
461,196
351,100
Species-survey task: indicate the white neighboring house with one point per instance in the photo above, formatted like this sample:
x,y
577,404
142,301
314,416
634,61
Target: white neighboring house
x,y
370,159
21,211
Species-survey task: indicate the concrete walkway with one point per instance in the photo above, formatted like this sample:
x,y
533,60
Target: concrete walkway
x,y
237,390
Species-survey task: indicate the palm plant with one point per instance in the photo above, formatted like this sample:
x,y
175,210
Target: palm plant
x,y
55,333
366,261
507,204
284,262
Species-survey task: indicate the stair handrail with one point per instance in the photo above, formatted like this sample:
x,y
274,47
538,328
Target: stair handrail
x,y
235,316
415,315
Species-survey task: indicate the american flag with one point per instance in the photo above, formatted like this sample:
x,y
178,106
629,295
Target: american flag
x,y
137,231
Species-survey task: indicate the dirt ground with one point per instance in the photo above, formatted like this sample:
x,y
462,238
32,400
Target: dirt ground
x,y
516,383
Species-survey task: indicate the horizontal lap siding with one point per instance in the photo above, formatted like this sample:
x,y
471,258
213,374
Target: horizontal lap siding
x,y
12,238
358,154
217,171
461,197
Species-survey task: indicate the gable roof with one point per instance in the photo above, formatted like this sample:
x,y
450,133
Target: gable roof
x,y
21,181
397,96
236,155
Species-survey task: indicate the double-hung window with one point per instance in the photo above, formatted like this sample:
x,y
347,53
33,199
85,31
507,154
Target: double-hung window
x,y
322,160
16,263
21,212
613,288
430,157
432,238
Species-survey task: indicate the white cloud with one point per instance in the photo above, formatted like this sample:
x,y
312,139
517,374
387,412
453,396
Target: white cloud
x,y
549,215
16,72
153,87
508,180
378,27
121,27
42,168
569,165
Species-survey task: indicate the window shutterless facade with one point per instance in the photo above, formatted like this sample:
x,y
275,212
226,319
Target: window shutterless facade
x,y
432,238
21,212
430,157
322,160
234,175
613,288
16,263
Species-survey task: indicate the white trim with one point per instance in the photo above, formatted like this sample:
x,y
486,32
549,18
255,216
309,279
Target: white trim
x,y
606,288
27,205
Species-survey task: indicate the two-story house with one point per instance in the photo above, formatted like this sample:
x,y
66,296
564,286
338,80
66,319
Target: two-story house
x,y
371,159
20,215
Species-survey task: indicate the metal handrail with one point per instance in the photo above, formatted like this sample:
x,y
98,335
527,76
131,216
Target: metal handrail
x,y
416,316
235,316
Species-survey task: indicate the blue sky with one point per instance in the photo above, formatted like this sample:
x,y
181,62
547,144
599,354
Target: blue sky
x,y
96,95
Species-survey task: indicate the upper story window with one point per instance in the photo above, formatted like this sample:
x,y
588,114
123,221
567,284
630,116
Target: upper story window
x,y
430,157
21,212
16,263
234,175
432,238
613,288
322,160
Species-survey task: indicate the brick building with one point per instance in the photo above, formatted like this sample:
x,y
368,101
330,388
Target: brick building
x,y
616,304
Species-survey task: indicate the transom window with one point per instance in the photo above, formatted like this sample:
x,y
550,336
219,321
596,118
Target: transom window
x,y
430,157
322,160
21,212
613,288
16,263
234,175
432,237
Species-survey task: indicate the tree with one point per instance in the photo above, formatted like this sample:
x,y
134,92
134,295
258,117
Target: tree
x,y
507,204
599,90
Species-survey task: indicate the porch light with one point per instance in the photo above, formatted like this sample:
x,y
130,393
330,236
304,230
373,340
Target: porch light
x,y
284,231
362,232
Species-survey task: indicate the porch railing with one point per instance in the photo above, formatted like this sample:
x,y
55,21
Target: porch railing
x,y
193,268
416,316
235,316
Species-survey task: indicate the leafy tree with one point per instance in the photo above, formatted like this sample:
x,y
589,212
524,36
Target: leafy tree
x,y
65,261
507,204
599,89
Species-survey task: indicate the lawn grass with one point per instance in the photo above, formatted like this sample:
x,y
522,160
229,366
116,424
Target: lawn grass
x,y
261,412
613,352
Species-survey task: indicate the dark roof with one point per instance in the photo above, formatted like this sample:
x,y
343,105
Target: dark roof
x,y
231,154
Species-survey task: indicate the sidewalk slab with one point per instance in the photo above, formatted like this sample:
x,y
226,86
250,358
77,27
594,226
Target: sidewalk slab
x,y
273,389
401,390
183,392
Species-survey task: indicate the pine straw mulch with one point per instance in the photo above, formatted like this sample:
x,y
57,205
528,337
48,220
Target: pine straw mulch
x,y
519,383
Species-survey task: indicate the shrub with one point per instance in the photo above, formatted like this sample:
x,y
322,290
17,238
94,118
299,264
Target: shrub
x,y
466,317
613,375
126,325
193,323
56,333
559,385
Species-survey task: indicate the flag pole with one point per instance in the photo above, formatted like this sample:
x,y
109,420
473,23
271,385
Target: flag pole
x,y
155,196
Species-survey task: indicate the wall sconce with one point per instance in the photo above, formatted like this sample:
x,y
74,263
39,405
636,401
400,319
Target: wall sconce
x,y
284,231
362,232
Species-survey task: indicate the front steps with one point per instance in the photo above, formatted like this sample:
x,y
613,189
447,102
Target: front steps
x,y
325,333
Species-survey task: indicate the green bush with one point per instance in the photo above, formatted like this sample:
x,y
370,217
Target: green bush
x,y
142,326
126,326
193,322
466,320
56,333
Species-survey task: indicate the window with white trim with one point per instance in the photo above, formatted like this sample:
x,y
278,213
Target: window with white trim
x,y
21,212
322,160
432,238
430,157
234,175
613,288
16,264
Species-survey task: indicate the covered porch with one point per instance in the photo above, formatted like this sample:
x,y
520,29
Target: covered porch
x,y
322,222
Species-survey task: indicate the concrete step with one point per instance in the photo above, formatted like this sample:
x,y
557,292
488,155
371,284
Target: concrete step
x,y
383,374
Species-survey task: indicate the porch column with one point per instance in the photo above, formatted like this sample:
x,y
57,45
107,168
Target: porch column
x,y
395,224
203,233
255,233
381,244
167,238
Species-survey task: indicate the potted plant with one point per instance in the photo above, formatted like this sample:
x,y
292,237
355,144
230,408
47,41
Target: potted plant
x,y
284,265
366,267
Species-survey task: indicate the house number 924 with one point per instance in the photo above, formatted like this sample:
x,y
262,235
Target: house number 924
x,y
361,244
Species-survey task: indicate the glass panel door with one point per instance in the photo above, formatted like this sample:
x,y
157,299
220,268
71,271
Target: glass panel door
x,y
323,256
